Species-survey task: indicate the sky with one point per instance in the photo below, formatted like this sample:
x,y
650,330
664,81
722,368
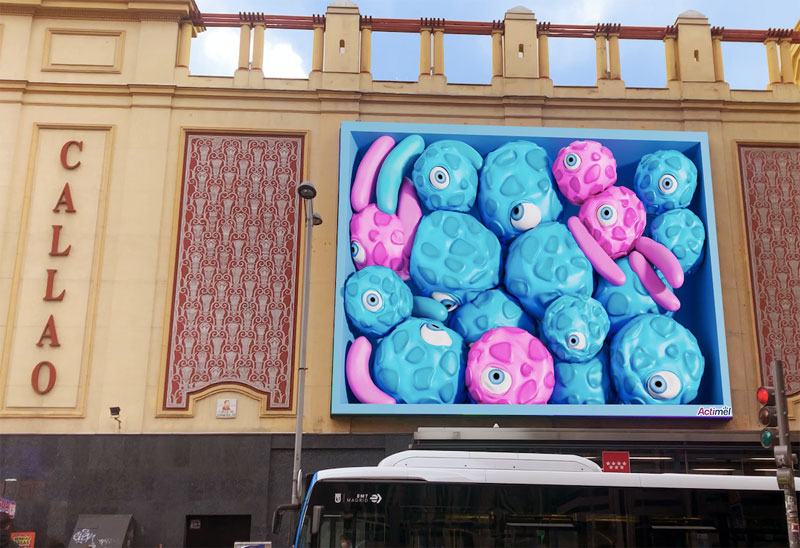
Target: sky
x,y
395,56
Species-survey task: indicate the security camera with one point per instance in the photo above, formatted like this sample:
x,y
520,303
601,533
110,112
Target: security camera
x,y
306,190
114,411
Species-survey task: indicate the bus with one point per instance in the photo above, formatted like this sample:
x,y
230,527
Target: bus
x,y
476,499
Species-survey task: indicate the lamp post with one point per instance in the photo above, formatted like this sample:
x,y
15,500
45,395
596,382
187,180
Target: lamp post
x,y
307,193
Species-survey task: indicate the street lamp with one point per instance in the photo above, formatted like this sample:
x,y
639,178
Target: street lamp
x,y
307,192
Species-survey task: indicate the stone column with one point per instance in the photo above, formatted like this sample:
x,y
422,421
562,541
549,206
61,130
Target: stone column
x,y
520,45
244,47
716,47
185,44
366,47
614,71
316,56
601,56
438,51
787,74
425,52
695,57
772,61
497,51
670,53
258,47
544,56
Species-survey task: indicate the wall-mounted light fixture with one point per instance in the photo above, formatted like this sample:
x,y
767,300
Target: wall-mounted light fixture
x,y
115,415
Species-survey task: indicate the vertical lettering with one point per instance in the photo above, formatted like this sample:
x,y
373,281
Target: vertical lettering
x,y
49,333
65,199
54,252
48,293
65,150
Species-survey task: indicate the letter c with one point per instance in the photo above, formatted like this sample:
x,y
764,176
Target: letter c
x,y
64,151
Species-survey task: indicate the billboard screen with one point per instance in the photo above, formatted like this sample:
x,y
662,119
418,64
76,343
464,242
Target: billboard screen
x,y
527,271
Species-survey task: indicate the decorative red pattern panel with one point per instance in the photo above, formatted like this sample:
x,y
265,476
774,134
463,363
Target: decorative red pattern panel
x,y
233,310
771,178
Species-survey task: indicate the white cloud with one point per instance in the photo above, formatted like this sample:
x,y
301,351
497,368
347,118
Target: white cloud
x,y
282,61
215,52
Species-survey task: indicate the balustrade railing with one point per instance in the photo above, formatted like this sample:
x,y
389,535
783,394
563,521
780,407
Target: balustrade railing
x,y
693,49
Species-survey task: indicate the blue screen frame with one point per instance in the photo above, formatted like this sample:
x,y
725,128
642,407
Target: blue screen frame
x,y
701,295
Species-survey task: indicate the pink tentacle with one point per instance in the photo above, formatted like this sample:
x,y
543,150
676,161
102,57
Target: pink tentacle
x,y
600,260
409,212
662,258
358,377
367,173
652,283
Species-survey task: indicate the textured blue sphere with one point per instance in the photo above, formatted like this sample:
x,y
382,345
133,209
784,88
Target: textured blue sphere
x,y
582,383
517,191
575,327
655,360
445,176
683,233
422,362
626,301
544,264
490,309
664,180
454,257
376,300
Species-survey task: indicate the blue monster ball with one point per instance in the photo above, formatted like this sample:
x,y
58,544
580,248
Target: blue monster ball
x,y
655,360
575,327
517,191
376,300
454,257
582,383
445,176
683,233
422,361
544,264
626,301
664,180
490,309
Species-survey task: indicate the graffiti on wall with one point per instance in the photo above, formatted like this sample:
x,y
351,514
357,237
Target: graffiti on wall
x,y
235,274
771,179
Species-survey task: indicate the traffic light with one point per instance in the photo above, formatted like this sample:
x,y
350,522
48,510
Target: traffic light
x,y
767,416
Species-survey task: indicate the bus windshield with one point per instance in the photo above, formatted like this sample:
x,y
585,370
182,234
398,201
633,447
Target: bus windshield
x,y
385,513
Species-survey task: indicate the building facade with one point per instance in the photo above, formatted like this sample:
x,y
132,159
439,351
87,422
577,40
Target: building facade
x,y
152,266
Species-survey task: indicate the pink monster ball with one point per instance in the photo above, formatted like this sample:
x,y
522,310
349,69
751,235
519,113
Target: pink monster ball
x,y
509,365
615,218
377,238
583,169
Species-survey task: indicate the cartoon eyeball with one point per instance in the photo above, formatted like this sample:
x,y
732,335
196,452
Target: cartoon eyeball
x,y
607,214
358,252
372,300
525,216
439,177
449,301
496,380
572,161
576,340
435,334
664,385
668,183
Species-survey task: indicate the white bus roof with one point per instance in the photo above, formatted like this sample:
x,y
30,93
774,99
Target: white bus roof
x,y
530,468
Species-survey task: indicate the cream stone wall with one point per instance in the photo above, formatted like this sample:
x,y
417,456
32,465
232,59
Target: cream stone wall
x,y
112,82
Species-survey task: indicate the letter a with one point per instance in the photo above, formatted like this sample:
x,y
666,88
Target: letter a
x,y
65,199
49,333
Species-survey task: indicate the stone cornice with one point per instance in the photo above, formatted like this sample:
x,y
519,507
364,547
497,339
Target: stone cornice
x,y
102,10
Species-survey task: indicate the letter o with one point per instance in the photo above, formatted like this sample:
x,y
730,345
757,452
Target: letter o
x,y
51,377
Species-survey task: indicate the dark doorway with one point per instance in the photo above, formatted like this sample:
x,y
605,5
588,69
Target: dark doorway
x,y
216,530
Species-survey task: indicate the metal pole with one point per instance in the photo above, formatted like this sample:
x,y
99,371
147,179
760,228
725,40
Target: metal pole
x,y
301,377
784,461
307,192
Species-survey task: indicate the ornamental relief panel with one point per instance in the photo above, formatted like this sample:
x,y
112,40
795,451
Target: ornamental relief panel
x,y
235,286
771,179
